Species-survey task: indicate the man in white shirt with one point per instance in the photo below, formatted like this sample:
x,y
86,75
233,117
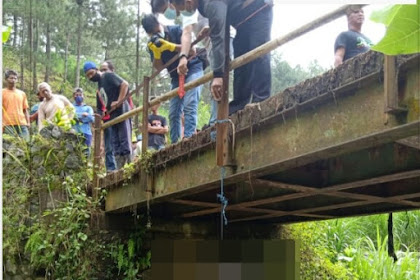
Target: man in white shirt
x,y
51,104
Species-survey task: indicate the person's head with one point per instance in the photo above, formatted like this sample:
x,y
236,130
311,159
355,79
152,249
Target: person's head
x,y
78,96
91,71
40,98
163,7
355,16
44,90
107,66
185,7
154,108
11,78
151,25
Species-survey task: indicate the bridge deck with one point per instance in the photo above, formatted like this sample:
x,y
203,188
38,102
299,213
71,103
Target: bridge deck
x,y
322,149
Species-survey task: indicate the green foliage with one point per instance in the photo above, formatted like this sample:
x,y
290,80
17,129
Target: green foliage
x,y
130,257
370,261
315,261
6,34
48,216
356,248
403,29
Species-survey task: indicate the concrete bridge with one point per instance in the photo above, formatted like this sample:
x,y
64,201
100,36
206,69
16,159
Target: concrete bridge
x,y
345,143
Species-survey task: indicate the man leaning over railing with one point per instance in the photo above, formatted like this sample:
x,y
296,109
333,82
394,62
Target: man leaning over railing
x,y
252,20
165,41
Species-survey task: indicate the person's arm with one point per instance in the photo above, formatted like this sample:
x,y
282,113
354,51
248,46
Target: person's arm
x,y
186,38
26,112
87,117
157,130
158,64
340,48
34,116
339,56
216,13
121,96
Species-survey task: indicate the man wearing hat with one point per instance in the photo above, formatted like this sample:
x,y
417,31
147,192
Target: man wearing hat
x,y
111,103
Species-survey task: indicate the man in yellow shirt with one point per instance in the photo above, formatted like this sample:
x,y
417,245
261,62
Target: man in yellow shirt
x,y
15,108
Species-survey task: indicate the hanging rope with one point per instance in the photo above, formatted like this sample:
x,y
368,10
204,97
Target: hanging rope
x,y
223,201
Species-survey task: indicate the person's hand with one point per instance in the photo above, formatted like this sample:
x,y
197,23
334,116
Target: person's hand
x,y
182,66
85,114
203,33
114,105
217,88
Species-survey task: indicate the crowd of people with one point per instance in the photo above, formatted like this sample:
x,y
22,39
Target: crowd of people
x,y
205,20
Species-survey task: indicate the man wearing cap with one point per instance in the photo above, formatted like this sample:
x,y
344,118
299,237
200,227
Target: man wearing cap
x,y
84,117
252,20
111,103
51,104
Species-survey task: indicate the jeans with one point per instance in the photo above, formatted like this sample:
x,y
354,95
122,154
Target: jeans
x,y
21,131
110,163
88,142
189,105
252,80
213,112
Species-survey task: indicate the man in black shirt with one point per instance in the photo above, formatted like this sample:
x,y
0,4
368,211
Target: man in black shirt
x,y
352,42
157,129
111,104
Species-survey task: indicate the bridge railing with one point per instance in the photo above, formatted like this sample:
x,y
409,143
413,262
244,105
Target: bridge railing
x,y
238,62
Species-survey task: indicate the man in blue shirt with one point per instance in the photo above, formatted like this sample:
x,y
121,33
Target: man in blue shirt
x,y
84,117
170,38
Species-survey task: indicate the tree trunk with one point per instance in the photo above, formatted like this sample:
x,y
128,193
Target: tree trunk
x,y
22,56
30,37
136,119
34,69
66,54
48,53
79,45
15,29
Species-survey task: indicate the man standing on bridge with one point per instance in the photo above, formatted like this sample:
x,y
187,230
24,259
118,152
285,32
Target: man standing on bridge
x,y
352,42
252,20
110,100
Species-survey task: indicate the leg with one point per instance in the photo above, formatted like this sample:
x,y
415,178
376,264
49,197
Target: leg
x,y
175,109
259,28
123,138
88,142
110,163
191,106
241,83
24,132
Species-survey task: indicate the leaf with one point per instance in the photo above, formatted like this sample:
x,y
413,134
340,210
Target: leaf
x,y
6,34
403,29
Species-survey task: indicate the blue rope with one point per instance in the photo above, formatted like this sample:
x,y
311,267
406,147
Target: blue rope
x,y
222,121
221,196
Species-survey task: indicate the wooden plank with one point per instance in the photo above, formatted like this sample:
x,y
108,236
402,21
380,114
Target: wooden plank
x,y
412,142
96,155
390,83
223,151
